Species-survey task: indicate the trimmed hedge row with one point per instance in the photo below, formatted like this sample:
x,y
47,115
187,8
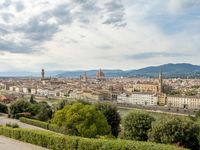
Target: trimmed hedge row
x,y
34,122
44,125
56,141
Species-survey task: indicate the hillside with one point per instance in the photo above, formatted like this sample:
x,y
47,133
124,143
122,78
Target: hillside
x,y
169,70
182,70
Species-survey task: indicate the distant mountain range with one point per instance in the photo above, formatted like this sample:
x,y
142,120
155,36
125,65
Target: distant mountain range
x,y
182,70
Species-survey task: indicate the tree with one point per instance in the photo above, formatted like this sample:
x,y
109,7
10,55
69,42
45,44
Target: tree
x,y
112,116
19,106
3,108
32,100
82,120
44,112
60,105
41,111
175,130
136,126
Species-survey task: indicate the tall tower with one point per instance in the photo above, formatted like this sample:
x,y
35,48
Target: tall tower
x,y
85,77
160,81
42,73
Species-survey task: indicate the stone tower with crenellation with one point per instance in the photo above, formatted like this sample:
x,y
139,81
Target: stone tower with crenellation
x,y
42,73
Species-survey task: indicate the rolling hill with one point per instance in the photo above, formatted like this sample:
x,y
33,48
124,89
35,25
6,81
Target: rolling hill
x,y
182,70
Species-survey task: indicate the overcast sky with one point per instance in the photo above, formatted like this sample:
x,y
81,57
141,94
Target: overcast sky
x,y
91,34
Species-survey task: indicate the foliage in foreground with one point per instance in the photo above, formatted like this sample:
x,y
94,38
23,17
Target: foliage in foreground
x,y
3,108
12,125
81,120
136,126
175,130
55,141
112,116
44,125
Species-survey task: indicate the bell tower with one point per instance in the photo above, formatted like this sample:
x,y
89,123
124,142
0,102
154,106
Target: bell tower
x,y
42,73
160,81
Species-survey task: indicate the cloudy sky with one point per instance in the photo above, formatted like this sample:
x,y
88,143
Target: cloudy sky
x,y
90,34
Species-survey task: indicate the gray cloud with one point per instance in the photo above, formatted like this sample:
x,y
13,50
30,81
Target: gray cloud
x,y
71,41
13,47
104,47
3,30
19,6
5,4
62,14
115,13
7,16
149,55
40,28
37,31
87,8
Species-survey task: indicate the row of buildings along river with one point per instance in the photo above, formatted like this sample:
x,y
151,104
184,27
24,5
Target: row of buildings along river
x,y
129,91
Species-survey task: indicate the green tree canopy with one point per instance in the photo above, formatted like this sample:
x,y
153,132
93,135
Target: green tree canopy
x,y
3,108
32,99
19,107
112,116
41,111
136,126
82,120
175,130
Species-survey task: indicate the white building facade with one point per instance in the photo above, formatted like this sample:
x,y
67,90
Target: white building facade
x,y
148,99
183,102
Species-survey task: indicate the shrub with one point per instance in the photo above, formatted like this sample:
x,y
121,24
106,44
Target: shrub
x,y
12,125
19,106
175,130
56,141
136,126
41,111
82,120
44,125
55,128
23,114
3,108
112,116
37,123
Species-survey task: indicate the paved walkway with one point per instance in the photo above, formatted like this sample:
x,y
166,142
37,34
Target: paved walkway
x,y
4,120
11,144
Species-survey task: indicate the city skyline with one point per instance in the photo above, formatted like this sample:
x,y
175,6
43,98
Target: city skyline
x,y
113,34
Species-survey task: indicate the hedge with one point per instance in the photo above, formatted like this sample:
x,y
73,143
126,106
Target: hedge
x,y
33,122
44,125
57,141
